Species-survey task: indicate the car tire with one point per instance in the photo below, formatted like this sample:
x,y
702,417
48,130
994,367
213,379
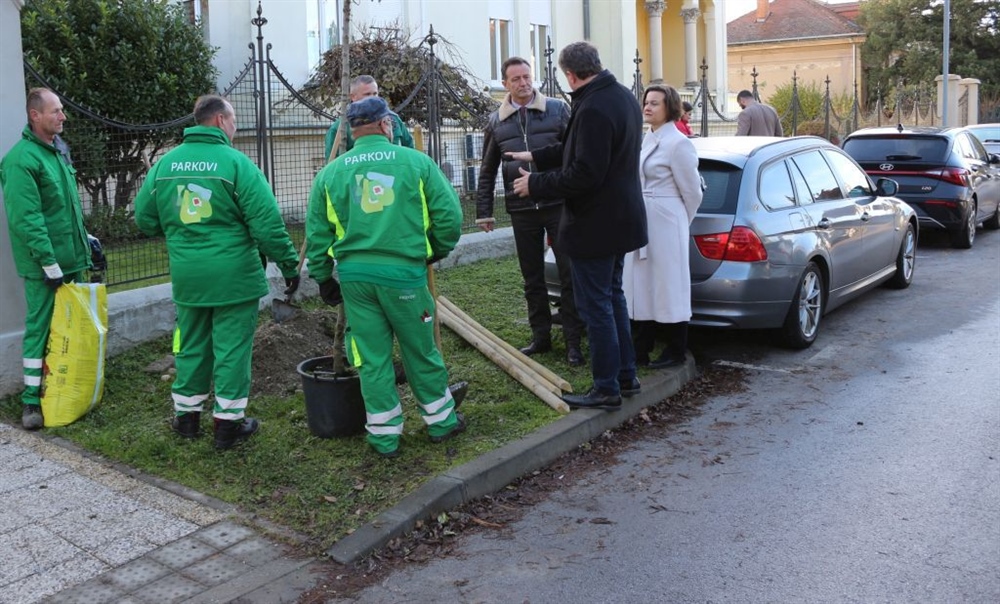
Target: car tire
x,y
993,223
806,310
964,237
905,260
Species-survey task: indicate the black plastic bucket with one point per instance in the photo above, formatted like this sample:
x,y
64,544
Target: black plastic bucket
x,y
334,405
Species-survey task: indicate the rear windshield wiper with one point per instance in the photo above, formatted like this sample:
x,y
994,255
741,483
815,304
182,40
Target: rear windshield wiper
x,y
902,157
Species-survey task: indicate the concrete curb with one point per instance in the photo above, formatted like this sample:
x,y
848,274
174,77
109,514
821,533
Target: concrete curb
x,y
494,470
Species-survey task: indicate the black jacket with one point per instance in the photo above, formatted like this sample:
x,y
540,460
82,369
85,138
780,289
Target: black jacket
x,y
545,125
603,213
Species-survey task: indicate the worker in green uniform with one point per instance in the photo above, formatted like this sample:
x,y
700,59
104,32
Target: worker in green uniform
x,y
47,236
362,87
216,210
384,212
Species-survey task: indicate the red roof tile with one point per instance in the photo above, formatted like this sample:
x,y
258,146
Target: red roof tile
x,y
792,20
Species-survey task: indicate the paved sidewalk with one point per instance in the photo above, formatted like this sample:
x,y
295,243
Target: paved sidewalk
x,y
75,528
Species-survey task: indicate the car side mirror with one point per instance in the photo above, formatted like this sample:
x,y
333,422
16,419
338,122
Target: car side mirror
x,y
994,158
886,187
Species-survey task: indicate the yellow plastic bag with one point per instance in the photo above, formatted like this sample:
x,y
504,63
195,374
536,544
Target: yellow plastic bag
x,y
74,360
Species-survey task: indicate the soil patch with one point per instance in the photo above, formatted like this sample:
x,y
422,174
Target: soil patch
x,y
278,348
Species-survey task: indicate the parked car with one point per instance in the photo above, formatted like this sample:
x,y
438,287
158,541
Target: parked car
x,y
945,174
988,135
788,230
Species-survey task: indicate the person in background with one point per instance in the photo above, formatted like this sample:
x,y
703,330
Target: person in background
x,y
216,209
657,278
362,87
603,216
385,212
527,120
49,242
683,124
756,119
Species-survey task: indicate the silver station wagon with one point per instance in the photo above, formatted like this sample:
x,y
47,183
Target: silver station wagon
x,y
789,229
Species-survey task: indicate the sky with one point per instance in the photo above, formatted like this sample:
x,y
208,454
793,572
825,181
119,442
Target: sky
x,y
738,8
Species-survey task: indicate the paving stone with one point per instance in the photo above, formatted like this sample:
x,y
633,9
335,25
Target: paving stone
x,y
160,528
37,586
62,493
29,550
169,589
255,551
94,591
137,573
182,553
122,550
224,534
28,469
215,570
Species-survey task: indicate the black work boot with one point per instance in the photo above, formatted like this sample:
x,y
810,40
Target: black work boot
x,y
229,433
458,391
187,425
675,352
31,417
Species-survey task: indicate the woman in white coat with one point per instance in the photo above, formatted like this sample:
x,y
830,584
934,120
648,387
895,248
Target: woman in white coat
x,y
657,278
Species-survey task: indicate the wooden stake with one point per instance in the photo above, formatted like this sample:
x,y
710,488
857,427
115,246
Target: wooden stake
x,y
542,370
532,381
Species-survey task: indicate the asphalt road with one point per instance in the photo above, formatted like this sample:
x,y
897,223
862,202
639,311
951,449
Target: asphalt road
x,y
864,469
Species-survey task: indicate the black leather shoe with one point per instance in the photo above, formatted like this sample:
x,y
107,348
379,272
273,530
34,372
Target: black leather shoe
x,y
458,391
593,400
629,387
537,346
574,356
229,433
187,425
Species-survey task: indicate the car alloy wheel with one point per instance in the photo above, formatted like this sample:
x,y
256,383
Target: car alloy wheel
x,y
806,311
964,237
905,261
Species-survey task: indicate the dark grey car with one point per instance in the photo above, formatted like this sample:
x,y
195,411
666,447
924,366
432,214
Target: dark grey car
x,y
789,229
946,175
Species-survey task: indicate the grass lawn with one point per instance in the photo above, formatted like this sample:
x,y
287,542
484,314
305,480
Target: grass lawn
x,y
325,488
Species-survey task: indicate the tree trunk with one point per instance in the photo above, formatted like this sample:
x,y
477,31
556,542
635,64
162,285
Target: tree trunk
x,y
340,143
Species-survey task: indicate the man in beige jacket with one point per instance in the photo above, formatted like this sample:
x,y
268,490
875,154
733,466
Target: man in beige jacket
x,y
756,119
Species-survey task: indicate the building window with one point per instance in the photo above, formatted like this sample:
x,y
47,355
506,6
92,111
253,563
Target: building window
x,y
499,46
539,43
322,32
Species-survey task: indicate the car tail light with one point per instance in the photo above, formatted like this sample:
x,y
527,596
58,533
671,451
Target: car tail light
x,y
739,245
955,176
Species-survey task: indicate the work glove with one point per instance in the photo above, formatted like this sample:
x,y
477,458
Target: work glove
x,y
97,258
291,285
53,276
435,258
329,291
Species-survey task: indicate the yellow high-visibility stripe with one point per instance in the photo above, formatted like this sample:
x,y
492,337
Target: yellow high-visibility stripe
x,y
427,219
331,215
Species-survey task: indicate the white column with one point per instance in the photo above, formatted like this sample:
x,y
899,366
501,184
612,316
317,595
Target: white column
x,y
655,10
712,49
970,86
12,121
690,16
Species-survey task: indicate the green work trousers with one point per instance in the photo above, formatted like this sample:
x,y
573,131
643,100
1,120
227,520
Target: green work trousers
x,y
374,314
40,300
214,343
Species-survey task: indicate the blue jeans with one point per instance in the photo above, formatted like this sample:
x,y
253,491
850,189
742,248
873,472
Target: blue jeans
x,y
600,301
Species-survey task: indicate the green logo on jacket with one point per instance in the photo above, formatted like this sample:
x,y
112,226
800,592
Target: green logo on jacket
x,y
194,203
374,191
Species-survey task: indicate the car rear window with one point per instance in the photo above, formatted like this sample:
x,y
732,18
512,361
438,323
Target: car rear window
x,y
897,148
722,187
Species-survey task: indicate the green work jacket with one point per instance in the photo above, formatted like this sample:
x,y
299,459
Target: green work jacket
x,y
216,210
400,136
44,216
383,211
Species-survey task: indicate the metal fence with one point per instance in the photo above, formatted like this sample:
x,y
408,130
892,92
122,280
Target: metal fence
x,y
283,132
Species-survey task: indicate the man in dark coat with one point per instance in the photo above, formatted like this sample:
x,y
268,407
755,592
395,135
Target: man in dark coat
x,y
524,121
603,214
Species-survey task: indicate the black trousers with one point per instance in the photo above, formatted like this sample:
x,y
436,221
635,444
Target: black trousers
x,y
530,228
